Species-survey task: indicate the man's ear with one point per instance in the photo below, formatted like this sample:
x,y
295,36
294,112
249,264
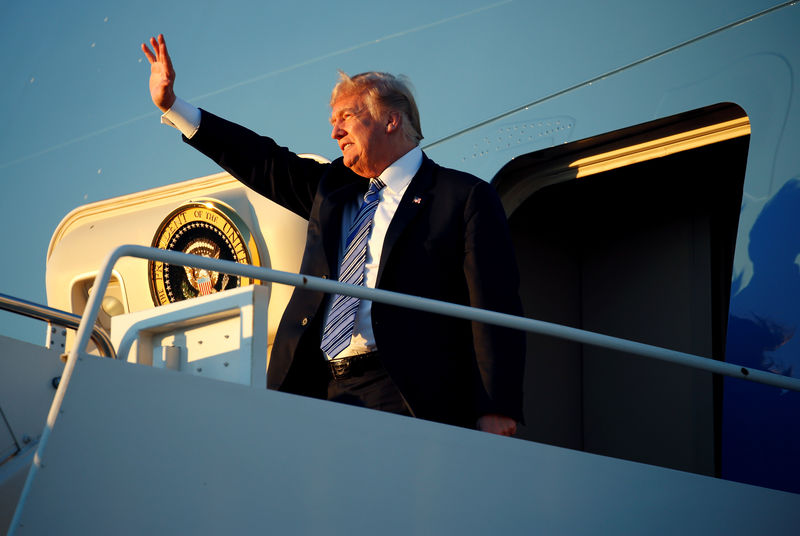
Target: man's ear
x,y
393,122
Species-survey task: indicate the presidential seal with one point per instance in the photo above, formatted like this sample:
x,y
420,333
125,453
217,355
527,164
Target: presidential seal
x,y
207,228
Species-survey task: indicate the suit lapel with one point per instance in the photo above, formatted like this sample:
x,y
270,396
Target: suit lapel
x,y
414,199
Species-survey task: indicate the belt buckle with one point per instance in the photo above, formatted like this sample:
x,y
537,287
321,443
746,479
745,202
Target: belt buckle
x,y
340,368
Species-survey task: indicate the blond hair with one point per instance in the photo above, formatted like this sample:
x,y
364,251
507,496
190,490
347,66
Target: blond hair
x,y
383,92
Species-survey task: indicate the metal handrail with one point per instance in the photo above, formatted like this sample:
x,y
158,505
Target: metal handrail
x,y
58,318
412,302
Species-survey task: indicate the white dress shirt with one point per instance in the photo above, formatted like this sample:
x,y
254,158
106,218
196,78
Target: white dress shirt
x,y
396,178
186,118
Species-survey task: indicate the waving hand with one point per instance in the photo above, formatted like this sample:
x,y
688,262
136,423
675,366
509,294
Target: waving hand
x,y
162,75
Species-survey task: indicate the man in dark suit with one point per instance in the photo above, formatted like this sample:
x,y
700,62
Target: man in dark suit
x,y
383,215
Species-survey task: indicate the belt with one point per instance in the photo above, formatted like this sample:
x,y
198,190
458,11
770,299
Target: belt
x,y
354,365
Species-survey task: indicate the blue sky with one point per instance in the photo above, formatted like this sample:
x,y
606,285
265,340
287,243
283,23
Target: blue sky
x,y
79,126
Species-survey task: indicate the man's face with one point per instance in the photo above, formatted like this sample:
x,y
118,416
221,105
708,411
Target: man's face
x,y
362,139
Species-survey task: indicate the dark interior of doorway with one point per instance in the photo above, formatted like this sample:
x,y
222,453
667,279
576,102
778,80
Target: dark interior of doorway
x,y
643,252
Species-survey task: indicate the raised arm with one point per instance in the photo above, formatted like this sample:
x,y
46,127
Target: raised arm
x,y
162,75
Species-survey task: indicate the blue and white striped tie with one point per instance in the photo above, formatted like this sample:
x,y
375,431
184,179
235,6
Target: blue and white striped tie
x,y
342,316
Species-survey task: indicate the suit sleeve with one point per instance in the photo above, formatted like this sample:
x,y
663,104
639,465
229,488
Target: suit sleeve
x,y
490,268
260,163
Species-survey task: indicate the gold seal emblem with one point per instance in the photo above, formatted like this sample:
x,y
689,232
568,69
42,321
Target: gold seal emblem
x,y
207,228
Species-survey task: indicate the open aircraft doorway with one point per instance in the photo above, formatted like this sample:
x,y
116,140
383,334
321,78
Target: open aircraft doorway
x,y
630,234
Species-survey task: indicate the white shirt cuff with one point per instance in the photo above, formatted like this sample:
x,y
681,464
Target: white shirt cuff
x,y
182,116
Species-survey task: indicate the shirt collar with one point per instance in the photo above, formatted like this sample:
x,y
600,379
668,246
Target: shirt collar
x,y
397,176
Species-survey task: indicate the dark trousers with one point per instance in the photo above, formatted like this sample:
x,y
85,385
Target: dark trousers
x,y
372,389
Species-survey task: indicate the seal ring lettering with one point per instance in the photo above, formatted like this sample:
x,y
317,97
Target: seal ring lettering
x,y
210,229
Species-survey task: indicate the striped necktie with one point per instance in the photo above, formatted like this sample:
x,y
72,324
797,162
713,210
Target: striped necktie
x,y
342,315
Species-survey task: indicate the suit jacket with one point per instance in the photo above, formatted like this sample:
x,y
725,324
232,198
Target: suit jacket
x,y
448,240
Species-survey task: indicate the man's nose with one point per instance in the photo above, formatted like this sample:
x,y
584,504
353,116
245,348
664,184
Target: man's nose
x,y
337,133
